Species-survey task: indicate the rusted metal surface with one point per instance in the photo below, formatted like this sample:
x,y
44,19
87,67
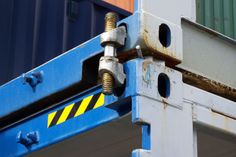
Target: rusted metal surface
x,y
151,42
208,84
132,54
124,4
208,53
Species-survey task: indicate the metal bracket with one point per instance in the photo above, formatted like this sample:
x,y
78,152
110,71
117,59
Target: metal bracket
x,y
116,36
111,65
29,139
33,79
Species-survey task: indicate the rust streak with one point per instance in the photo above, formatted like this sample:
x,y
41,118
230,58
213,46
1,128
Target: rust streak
x,y
208,84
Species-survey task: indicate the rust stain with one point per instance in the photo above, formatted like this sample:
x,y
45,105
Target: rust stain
x,y
145,64
132,54
162,53
226,119
151,43
165,104
145,30
149,48
208,84
220,113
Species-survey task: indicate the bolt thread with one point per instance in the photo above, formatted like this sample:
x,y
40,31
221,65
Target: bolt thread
x,y
107,79
107,83
110,21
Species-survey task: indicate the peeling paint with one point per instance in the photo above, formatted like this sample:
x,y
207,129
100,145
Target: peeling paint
x,y
147,73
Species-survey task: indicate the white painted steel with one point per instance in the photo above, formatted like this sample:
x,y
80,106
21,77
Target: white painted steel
x,y
170,10
208,53
174,128
208,100
153,13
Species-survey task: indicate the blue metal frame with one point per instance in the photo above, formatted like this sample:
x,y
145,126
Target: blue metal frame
x,y
57,133
59,73
114,108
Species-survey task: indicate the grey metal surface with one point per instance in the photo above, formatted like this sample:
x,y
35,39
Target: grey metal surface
x,y
213,120
176,9
172,132
148,73
116,139
169,118
208,53
211,110
150,35
171,129
209,100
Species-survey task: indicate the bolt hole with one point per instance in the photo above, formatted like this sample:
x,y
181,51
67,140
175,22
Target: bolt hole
x,y
164,85
164,35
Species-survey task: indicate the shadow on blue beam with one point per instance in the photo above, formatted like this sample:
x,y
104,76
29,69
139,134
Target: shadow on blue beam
x,y
58,76
50,135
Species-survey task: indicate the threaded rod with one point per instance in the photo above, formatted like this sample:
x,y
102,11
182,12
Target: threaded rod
x,y
107,84
107,79
110,21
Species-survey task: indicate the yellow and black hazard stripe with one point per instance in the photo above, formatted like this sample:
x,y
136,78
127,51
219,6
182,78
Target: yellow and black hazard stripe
x,y
75,109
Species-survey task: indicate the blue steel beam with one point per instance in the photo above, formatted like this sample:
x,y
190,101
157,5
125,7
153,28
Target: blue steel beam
x,y
114,107
58,74
48,136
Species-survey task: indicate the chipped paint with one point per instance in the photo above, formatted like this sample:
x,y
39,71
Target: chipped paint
x,y
147,73
149,41
208,84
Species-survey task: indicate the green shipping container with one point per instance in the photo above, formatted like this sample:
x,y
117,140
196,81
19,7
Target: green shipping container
x,y
219,15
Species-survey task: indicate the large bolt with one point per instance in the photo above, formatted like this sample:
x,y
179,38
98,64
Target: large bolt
x,y
107,79
107,83
110,21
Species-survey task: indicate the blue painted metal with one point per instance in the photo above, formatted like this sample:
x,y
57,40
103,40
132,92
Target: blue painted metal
x,y
57,133
60,73
146,137
114,108
29,139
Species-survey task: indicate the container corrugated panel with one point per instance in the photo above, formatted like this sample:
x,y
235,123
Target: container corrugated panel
x,y
219,15
35,31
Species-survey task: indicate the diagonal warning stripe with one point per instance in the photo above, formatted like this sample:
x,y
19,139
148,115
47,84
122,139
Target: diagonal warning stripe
x,y
83,106
50,118
92,102
75,109
65,114
100,101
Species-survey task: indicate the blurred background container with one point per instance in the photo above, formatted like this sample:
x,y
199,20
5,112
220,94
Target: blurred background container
x,y
219,15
